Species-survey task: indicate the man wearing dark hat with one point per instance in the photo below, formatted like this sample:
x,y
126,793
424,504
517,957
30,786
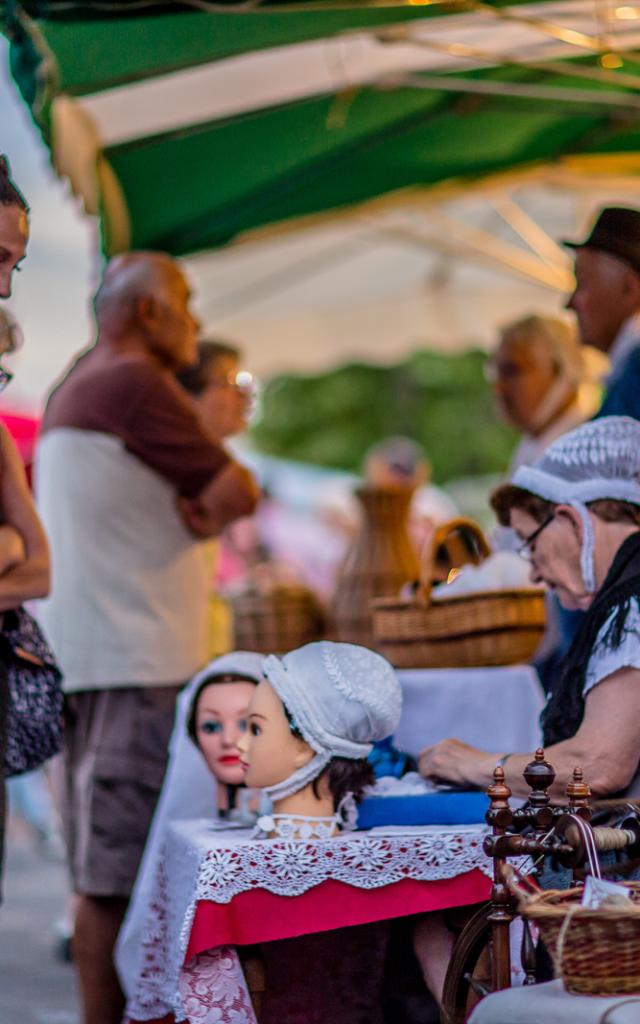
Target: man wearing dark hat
x,y
606,302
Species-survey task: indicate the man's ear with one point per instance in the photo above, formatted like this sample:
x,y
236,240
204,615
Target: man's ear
x,y
570,515
146,311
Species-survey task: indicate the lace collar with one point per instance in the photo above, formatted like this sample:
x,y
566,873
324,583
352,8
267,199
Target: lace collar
x,y
298,826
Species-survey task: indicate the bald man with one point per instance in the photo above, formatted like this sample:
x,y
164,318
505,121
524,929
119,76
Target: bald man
x,y
128,481
606,301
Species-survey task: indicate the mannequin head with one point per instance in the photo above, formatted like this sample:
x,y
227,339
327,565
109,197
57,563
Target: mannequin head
x,y
273,748
312,721
217,720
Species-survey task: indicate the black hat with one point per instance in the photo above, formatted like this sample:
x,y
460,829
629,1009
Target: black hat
x,y
616,231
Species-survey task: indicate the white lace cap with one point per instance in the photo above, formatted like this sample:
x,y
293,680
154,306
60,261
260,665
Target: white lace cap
x,y
600,459
341,697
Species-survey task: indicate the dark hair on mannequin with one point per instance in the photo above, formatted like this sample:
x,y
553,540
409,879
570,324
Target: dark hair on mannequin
x,y
343,774
10,194
215,677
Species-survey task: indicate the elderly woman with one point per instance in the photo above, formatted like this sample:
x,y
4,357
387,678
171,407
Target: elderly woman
x,y
542,383
577,514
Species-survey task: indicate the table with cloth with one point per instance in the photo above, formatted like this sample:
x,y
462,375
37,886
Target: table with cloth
x,y
213,890
216,889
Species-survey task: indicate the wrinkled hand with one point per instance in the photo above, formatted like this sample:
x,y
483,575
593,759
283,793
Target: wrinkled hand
x,y
451,761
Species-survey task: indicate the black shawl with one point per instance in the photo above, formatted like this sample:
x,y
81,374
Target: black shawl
x,y
564,710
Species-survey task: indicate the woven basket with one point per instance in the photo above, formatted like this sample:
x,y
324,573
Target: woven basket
x,y
277,619
470,630
595,952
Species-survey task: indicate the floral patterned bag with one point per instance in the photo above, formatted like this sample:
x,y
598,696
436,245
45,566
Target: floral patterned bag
x,y
34,705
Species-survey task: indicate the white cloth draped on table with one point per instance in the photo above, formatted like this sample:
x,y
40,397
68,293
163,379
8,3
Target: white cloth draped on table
x,y
494,709
551,1004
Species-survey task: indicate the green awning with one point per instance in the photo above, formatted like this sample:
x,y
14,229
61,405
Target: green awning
x,y
184,129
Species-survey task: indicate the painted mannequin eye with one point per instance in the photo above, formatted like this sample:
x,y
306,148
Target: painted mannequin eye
x,y
211,728
255,729
243,725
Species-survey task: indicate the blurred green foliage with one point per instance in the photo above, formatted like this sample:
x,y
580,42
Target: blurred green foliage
x,y
442,401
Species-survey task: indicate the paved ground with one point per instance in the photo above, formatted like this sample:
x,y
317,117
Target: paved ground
x,y
35,986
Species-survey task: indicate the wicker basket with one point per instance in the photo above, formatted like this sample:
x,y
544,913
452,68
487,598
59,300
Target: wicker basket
x,y
470,630
276,619
595,952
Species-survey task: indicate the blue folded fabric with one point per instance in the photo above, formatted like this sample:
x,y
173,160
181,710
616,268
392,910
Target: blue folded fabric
x,y
459,808
385,759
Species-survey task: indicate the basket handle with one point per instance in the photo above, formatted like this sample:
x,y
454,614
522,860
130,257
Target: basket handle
x,y
562,934
423,593
436,537
605,1019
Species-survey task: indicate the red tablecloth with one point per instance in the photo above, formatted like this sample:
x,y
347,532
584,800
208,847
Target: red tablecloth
x,y
261,916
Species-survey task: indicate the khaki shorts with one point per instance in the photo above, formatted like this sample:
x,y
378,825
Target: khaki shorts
x,y
114,758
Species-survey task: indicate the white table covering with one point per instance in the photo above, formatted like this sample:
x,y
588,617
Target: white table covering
x,y
494,709
549,1003
201,863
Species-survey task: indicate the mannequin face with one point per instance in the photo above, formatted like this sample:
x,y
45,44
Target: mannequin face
x,y
221,722
270,752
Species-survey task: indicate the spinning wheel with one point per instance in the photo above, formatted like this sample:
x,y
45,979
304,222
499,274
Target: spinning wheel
x,y
481,961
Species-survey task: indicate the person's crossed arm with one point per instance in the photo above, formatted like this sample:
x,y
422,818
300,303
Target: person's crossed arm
x,y
606,747
163,430
24,552
232,493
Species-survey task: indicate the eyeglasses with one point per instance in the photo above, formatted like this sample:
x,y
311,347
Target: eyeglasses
x,y
241,380
5,378
526,549
494,370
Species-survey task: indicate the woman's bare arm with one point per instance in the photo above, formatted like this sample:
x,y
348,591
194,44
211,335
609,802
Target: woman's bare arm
x,y
606,746
12,549
30,578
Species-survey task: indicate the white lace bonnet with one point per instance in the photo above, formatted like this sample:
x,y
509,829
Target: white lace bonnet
x,y
340,696
600,459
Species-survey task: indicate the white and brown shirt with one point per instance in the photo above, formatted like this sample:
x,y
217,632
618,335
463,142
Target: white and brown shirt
x,y
120,443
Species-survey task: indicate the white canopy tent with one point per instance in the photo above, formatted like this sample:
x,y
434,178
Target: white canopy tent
x,y
441,270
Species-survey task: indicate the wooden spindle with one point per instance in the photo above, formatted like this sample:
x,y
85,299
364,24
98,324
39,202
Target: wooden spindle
x,y
578,795
500,817
539,776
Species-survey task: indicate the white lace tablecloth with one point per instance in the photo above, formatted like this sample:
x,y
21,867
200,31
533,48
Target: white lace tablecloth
x,y
200,862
